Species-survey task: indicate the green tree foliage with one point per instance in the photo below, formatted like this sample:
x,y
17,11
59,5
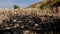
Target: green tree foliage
x,y
44,4
58,0
16,6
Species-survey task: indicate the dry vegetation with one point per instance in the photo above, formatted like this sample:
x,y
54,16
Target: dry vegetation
x,y
30,21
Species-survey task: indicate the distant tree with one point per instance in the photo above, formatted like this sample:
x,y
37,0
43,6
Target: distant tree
x,y
45,4
16,6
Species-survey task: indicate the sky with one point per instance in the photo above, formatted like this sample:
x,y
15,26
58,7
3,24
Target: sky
x,y
20,3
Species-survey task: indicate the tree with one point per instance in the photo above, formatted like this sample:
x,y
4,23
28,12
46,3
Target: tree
x,y
16,6
45,4
58,0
